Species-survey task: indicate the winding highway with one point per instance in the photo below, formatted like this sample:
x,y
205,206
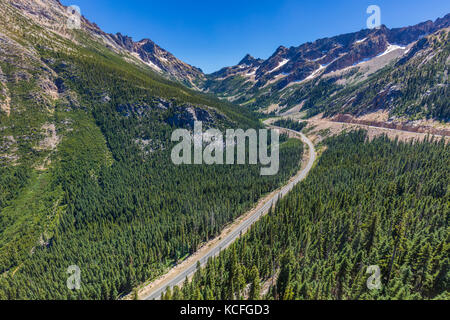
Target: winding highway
x,y
187,271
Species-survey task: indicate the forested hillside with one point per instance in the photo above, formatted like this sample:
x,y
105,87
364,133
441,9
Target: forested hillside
x,y
383,203
86,174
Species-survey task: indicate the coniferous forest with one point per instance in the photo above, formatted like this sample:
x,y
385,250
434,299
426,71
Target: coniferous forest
x,y
380,203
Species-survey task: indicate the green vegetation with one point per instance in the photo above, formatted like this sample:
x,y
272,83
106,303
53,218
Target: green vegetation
x,y
414,87
382,203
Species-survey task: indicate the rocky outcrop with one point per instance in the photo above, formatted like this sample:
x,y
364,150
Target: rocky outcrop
x,y
5,100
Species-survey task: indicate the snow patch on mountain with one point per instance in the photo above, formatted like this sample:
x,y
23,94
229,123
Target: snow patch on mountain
x,y
391,48
252,72
315,73
280,65
361,41
149,63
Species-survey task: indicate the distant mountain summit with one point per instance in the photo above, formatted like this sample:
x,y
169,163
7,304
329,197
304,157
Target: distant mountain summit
x,y
251,61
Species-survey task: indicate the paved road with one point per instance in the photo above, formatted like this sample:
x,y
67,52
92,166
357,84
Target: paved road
x,y
238,230
366,126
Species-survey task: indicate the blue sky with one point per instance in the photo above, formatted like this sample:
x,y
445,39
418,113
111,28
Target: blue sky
x,y
213,34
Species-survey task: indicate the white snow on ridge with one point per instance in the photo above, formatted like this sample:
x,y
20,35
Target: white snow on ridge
x,y
153,66
251,72
315,73
391,47
362,61
282,63
319,58
327,64
360,41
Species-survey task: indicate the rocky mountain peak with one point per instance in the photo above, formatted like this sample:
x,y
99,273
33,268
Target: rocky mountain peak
x,y
250,61
124,41
159,59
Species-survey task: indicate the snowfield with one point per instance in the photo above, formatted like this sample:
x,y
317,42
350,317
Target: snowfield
x,y
392,47
281,64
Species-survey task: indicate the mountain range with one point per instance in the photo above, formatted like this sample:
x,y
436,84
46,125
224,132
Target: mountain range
x,y
86,177
86,120
344,64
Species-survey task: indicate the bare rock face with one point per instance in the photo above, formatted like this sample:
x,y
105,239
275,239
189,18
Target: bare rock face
x,y
48,12
124,41
187,115
251,61
403,126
